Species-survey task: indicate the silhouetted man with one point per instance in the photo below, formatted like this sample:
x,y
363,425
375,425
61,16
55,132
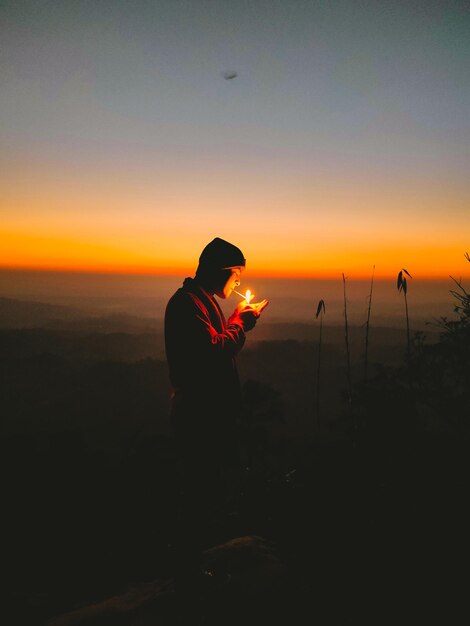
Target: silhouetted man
x,y
201,347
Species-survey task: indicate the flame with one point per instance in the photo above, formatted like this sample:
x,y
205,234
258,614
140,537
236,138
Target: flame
x,y
248,295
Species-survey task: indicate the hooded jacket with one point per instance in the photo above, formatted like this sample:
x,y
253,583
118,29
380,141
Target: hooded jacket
x,y
201,349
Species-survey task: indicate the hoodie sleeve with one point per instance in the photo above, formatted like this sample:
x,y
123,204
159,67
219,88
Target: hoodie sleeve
x,y
196,326
198,354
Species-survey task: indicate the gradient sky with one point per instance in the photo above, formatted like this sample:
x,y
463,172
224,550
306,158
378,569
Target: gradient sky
x,y
342,143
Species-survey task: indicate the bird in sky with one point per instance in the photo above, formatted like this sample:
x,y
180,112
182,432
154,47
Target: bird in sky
x,y
229,75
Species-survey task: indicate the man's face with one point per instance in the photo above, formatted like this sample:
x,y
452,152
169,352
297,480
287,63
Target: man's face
x,y
231,284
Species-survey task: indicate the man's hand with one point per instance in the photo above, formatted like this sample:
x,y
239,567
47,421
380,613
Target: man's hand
x,y
247,314
253,306
259,306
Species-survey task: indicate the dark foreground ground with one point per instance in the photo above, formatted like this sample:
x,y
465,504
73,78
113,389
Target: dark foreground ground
x,y
356,531
358,516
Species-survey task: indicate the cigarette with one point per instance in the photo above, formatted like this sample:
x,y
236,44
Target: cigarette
x,y
248,297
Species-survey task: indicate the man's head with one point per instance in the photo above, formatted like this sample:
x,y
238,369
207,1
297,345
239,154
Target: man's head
x,y
220,266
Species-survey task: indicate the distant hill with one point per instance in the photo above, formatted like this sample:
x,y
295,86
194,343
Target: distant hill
x,y
20,314
383,339
29,328
28,314
23,343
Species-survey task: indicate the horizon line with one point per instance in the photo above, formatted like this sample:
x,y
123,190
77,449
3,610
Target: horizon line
x,y
259,274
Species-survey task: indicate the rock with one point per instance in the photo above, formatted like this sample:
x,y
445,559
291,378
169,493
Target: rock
x,y
256,576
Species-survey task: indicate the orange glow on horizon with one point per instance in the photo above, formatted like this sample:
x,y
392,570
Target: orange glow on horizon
x,y
266,259
419,272
295,227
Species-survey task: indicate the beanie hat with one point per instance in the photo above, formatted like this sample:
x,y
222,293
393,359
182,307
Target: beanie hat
x,y
220,254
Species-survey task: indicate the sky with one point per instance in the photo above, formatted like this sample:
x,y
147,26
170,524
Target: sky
x,y
342,143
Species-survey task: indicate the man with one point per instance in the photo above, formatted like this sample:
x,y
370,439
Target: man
x,y
201,347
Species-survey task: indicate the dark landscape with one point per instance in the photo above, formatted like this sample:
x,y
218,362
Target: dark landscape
x,y
355,506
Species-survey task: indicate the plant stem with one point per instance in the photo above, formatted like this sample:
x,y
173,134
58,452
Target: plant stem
x,y
408,342
346,339
319,367
366,353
